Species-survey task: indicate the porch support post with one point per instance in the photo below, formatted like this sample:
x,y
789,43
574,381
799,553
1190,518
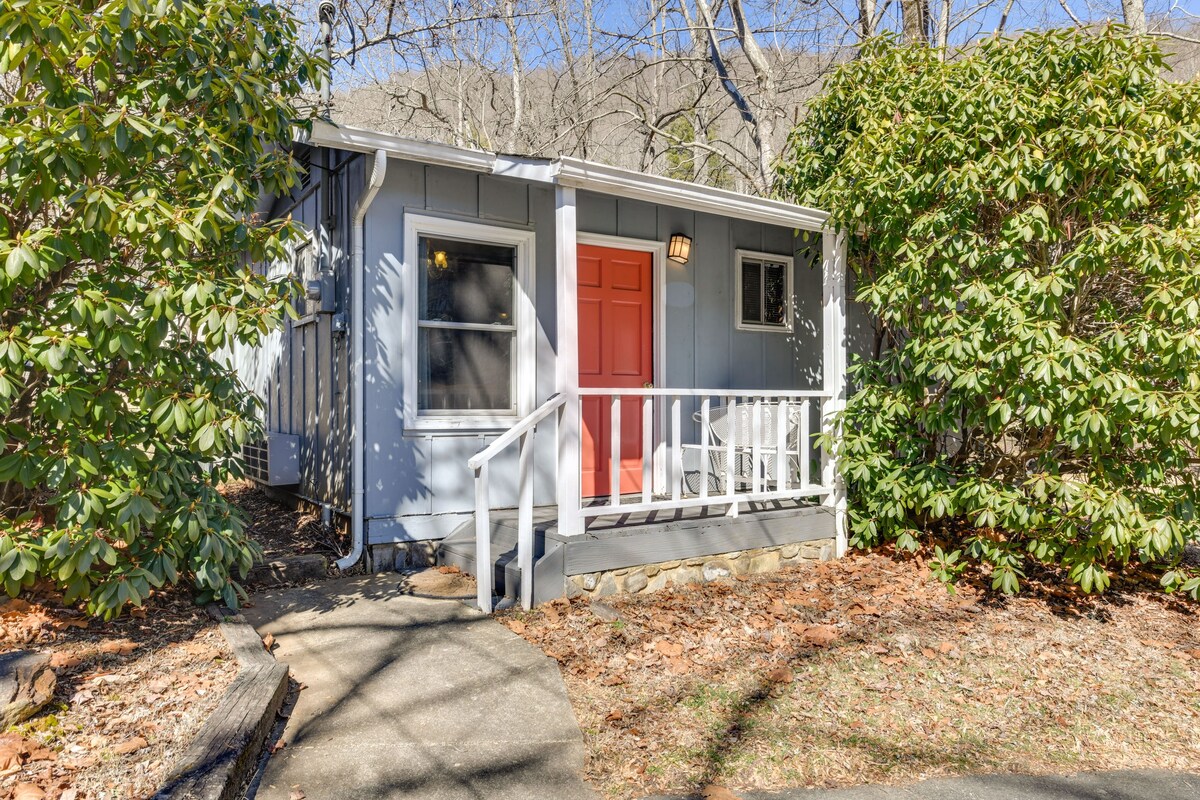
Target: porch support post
x,y
833,366
567,361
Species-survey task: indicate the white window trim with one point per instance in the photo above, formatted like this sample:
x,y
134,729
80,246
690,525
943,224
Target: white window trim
x,y
790,309
524,355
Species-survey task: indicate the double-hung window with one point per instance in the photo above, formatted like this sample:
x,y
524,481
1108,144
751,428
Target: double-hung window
x,y
472,320
764,292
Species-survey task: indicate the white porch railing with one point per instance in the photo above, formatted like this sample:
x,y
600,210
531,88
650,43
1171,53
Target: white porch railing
x,y
747,446
765,452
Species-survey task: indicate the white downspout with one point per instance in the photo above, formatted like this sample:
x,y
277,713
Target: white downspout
x,y
358,339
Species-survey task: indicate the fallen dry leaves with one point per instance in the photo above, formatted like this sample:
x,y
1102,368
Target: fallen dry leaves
x,y
281,530
866,670
131,694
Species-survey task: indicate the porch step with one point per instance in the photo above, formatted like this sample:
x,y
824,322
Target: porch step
x,y
458,550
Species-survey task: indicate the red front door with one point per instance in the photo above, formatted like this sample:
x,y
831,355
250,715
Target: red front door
x,y
616,334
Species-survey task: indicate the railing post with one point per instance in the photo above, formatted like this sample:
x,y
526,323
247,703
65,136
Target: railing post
x,y
676,449
567,361
833,363
705,443
484,568
756,458
730,455
647,448
614,437
804,445
782,426
525,517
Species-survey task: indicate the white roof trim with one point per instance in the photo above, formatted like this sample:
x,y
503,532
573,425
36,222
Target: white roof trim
x,y
574,172
357,140
682,194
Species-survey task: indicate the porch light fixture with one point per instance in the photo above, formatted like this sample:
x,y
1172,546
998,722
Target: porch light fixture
x,y
680,248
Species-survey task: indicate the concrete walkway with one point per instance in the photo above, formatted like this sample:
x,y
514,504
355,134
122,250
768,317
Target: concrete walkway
x,y
1126,785
415,698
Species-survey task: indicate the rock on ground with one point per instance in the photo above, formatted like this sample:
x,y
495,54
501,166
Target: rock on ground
x,y
26,685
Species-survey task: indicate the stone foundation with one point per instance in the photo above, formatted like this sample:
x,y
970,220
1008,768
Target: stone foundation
x,y
652,577
401,556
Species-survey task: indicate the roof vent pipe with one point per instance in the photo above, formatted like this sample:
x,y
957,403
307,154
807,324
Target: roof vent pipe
x,y
326,13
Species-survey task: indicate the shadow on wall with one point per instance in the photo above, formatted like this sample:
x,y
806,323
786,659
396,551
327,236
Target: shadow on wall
x,y
404,459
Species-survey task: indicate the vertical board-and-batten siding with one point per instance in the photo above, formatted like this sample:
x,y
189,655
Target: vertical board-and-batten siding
x,y
418,485
301,371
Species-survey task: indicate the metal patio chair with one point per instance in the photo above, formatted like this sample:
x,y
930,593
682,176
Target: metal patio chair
x,y
719,425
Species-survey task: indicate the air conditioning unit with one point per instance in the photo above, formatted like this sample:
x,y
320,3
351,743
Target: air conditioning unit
x,y
275,460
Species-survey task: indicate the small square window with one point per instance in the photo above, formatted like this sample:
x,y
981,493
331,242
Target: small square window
x,y
764,291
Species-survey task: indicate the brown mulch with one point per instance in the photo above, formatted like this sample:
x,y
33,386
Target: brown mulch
x,y
280,528
131,695
867,670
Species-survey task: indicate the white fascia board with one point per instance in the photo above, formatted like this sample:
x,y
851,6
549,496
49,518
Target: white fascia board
x,y
681,194
358,140
571,172
538,170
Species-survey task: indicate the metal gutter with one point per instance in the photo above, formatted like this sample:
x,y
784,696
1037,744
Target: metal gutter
x,y
357,140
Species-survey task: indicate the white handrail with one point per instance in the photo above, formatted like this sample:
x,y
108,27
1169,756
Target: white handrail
x,y
484,568
513,433
659,392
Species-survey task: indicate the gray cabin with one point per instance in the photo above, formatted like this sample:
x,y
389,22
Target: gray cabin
x,y
560,376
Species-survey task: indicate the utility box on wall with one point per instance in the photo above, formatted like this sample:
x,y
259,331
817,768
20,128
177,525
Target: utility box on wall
x,y
320,292
274,461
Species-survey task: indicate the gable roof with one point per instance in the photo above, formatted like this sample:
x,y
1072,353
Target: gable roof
x,y
567,171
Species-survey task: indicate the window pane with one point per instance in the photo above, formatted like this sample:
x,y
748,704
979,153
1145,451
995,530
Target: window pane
x,y
465,370
751,292
774,294
466,281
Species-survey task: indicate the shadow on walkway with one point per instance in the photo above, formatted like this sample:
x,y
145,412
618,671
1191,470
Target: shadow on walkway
x,y
415,698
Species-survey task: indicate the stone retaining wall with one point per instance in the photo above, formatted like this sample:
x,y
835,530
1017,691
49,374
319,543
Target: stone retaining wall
x,y
651,577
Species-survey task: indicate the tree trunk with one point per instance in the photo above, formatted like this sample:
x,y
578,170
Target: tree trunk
x,y
943,29
1135,15
764,120
915,17
866,19
518,98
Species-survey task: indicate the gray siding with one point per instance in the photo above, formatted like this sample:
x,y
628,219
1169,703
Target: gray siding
x,y
703,347
301,371
413,473
417,482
